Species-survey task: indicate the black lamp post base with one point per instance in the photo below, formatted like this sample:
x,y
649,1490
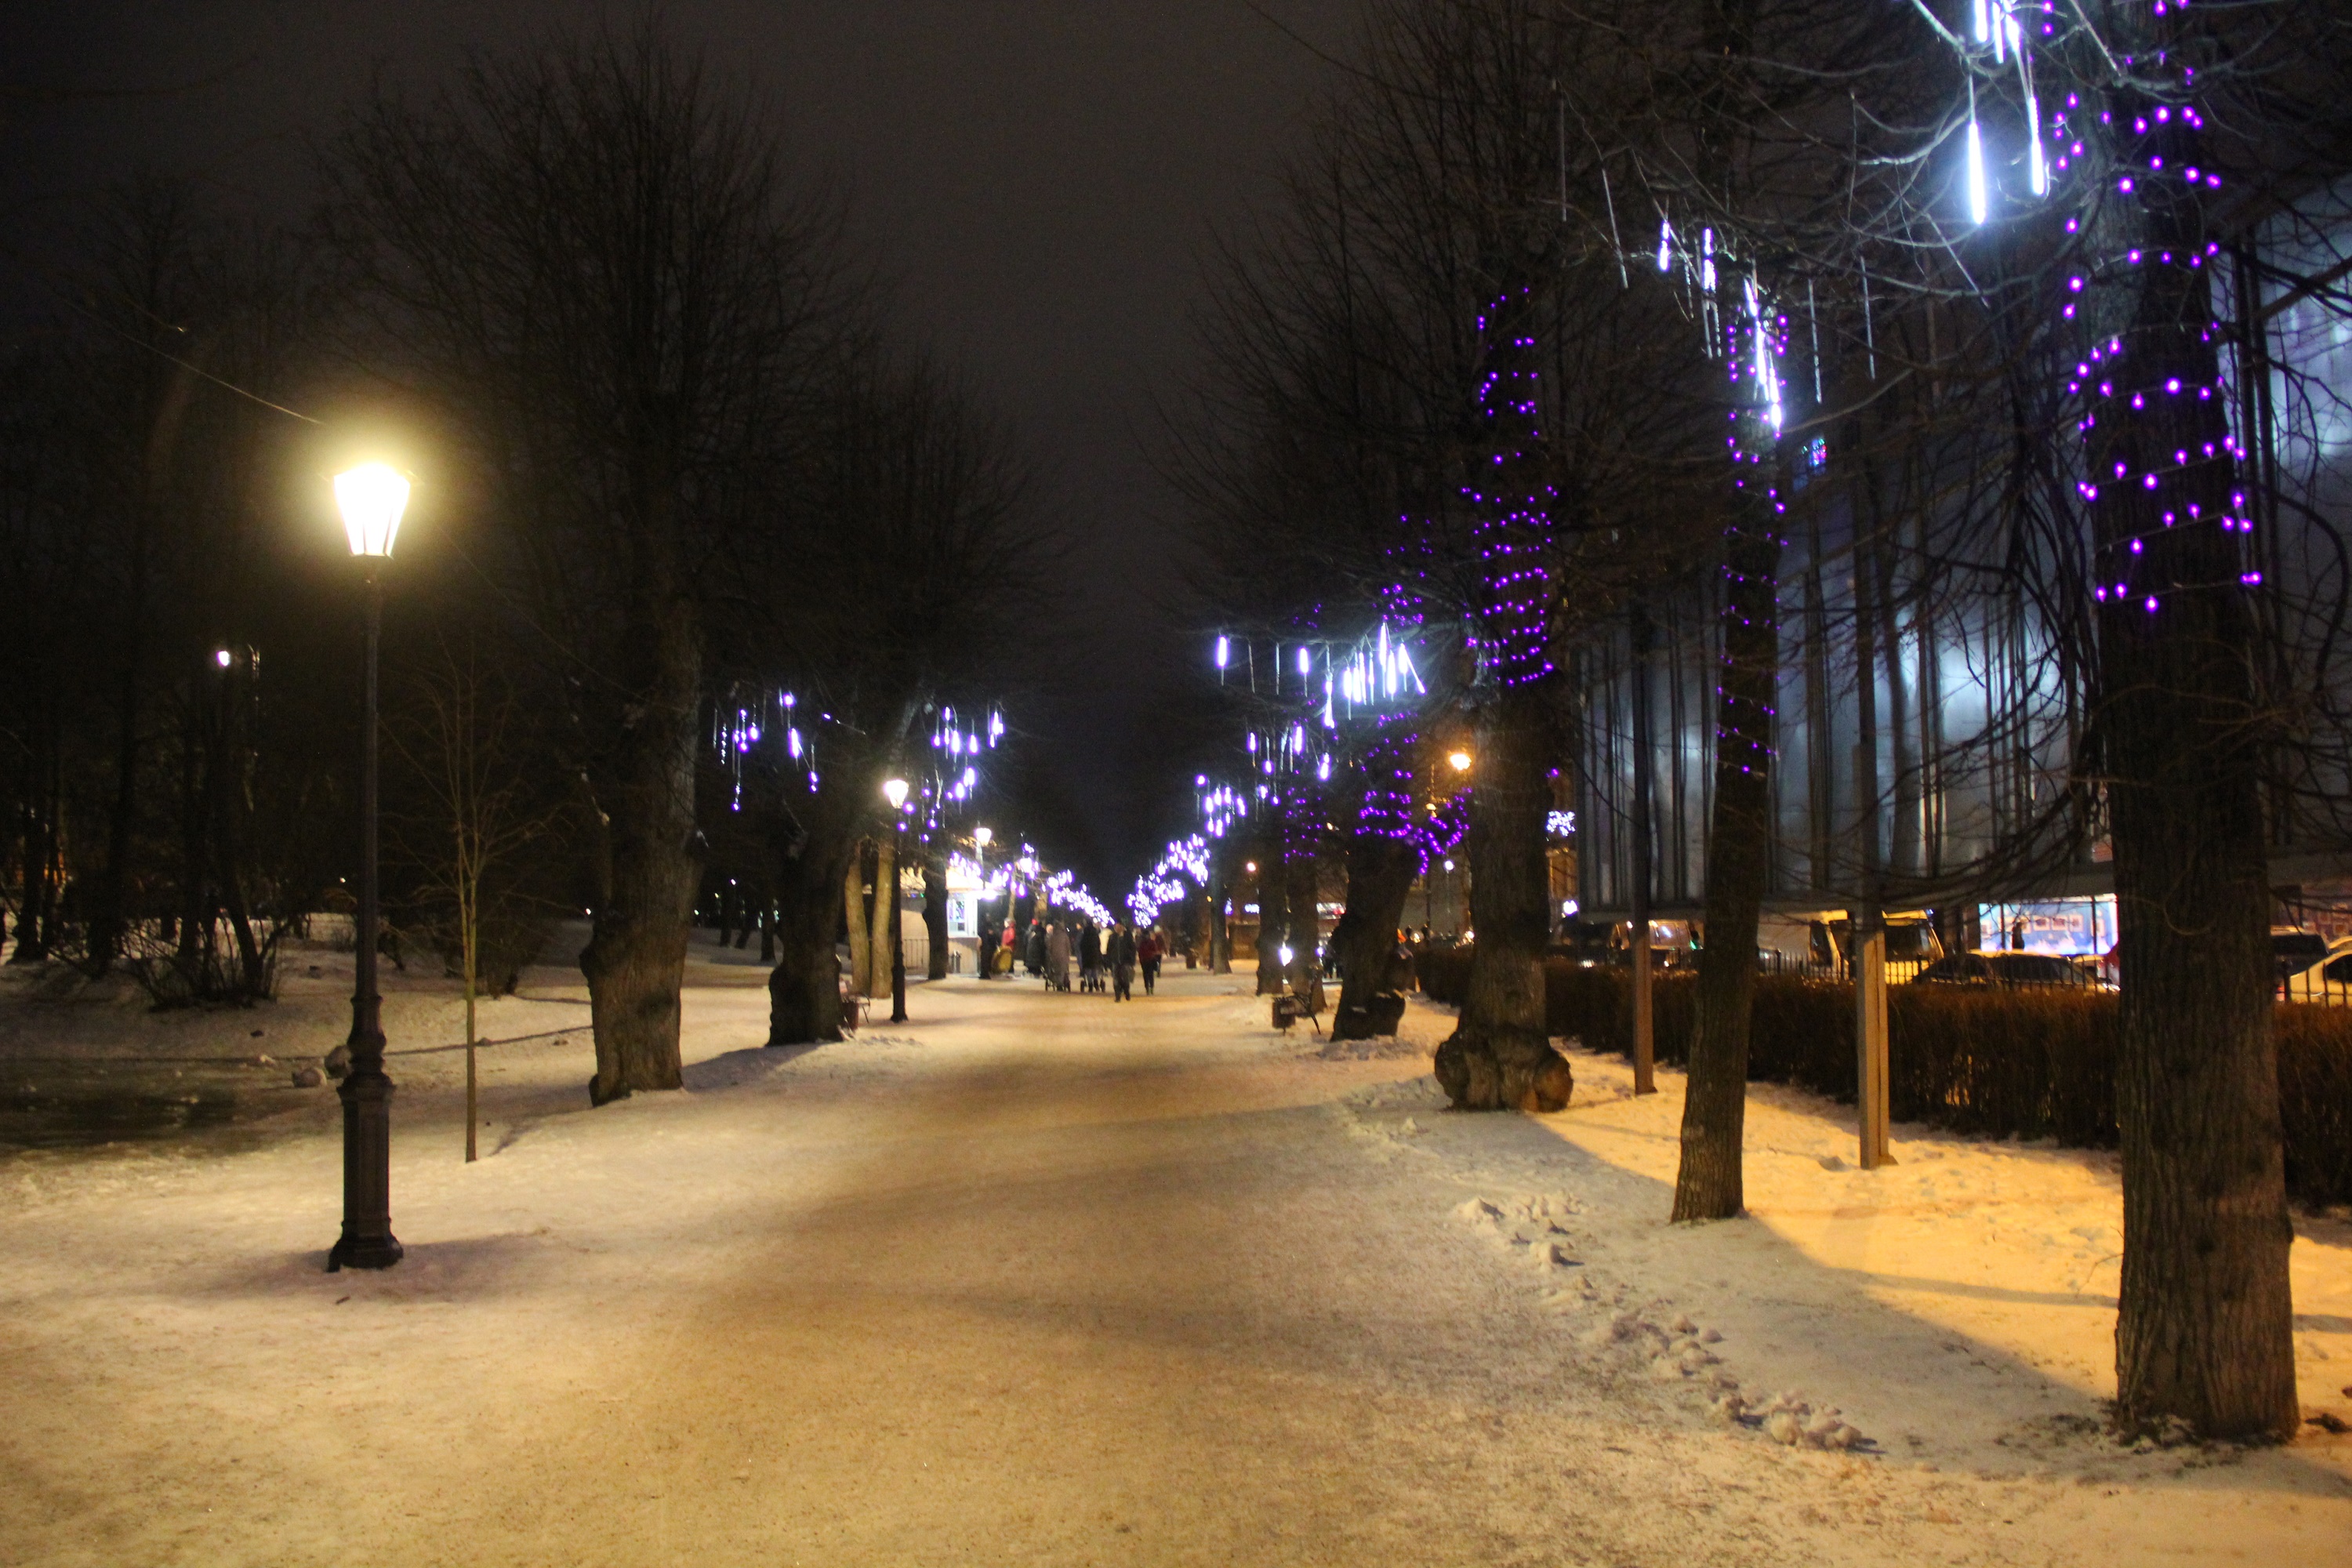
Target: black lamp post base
x,y
367,1240
365,1252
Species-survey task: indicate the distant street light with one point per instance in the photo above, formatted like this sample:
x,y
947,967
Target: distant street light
x,y
372,498
1460,761
894,792
987,947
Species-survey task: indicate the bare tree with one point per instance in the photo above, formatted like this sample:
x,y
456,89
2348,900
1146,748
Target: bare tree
x,y
462,739
1433,391
587,263
893,600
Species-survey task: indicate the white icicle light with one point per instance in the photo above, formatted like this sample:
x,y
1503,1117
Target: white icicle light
x,y
2038,170
1980,199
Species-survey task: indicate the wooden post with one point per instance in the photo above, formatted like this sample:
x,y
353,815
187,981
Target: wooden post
x,y
1870,1034
1867,940
1645,1079
1866,927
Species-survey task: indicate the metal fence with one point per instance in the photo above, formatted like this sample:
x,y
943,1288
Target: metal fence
x,y
2327,984
1681,961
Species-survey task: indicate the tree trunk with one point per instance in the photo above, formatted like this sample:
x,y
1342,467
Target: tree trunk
x,y
1738,867
1500,1057
1221,939
860,927
1640,991
1303,891
804,988
31,931
1380,869
1273,909
935,911
636,958
882,941
2205,1334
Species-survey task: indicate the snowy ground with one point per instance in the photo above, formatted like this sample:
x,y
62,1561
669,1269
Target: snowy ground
x,y
1048,1280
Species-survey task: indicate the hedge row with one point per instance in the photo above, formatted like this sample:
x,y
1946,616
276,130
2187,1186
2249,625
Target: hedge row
x,y
1988,1063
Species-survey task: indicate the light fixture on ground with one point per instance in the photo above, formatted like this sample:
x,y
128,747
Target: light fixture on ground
x,y
894,792
372,498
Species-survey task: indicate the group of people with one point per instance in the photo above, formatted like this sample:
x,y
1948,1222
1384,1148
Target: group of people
x,y
1120,952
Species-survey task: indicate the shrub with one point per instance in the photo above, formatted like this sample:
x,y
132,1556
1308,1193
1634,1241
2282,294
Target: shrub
x,y
2034,1064
1445,974
1986,1062
2315,1056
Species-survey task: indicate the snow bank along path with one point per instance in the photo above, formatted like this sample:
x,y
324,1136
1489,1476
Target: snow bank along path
x,y
1031,1279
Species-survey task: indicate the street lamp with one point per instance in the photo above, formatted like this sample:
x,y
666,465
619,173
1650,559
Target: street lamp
x,y
894,792
1458,761
371,498
987,943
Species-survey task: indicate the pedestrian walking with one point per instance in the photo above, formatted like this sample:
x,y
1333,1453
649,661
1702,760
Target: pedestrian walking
x,y
1122,962
1058,956
1148,951
1090,958
1036,949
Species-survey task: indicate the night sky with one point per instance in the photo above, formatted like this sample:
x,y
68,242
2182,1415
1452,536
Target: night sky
x,y
1038,179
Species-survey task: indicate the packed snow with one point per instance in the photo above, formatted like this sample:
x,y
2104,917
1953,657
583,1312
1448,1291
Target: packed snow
x,y
1044,1278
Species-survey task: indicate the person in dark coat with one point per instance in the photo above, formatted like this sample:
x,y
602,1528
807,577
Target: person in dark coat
x,y
1122,962
1090,957
1148,951
1058,956
1037,953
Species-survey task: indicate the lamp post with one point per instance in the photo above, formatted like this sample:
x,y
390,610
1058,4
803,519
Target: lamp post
x,y
987,945
372,498
894,792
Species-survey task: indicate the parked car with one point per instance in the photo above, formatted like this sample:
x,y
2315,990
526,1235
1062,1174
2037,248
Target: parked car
x,y
2294,950
2313,968
2005,968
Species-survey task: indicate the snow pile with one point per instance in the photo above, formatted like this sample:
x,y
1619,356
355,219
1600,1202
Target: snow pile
x,y
1528,1228
1381,1047
1789,1419
1680,1352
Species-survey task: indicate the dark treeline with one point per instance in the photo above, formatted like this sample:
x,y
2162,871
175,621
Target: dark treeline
x,y
671,466
1589,324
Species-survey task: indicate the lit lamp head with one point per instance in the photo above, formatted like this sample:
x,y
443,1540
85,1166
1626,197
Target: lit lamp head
x,y
371,498
894,792
1284,951
980,836
1458,761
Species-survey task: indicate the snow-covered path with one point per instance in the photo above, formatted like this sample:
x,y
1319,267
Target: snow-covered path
x,y
1034,1279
